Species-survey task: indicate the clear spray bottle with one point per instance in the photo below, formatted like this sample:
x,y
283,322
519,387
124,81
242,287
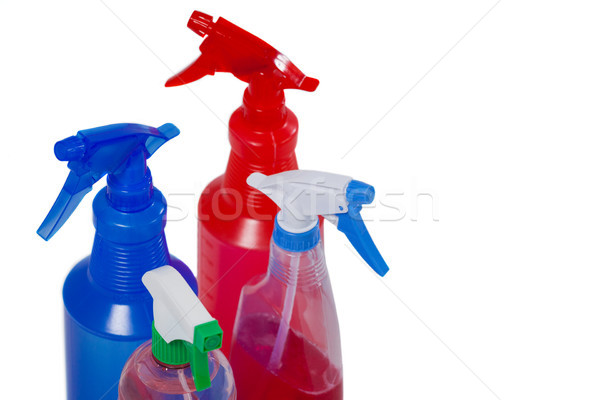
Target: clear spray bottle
x,y
286,342
183,360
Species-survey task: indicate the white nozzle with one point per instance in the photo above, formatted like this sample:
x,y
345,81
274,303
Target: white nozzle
x,y
177,310
303,196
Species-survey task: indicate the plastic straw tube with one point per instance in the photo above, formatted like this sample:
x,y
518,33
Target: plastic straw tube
x,y
286,317
183,380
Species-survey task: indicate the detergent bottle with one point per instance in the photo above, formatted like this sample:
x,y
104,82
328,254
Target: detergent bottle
x,y
235,221
108,311
183,360
286,342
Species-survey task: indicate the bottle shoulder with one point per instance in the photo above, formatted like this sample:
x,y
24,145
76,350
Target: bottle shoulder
x,y
144,377
222,215
259,139
119,316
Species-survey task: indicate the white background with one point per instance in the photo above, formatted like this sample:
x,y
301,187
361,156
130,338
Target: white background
x,y
495,118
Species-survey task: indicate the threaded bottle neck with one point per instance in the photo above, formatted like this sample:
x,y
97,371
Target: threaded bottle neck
x,y
119,267
130,188
264,105
302,269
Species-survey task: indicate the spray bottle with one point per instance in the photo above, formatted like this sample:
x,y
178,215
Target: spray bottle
x,y
182,361
236,221
108,312
286,341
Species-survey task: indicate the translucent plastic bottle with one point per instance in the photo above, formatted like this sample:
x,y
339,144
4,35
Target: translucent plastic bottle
x,y
286,340
306,362
144,377
183,360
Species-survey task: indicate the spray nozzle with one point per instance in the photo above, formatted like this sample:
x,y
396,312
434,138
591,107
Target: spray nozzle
x,y
304,195
184,331
119,150
201,23
229,48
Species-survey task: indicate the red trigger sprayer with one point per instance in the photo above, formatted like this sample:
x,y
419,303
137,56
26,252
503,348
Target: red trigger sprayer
x,y
235,220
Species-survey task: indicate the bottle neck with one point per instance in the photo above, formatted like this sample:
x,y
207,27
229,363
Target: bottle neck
x,y
130,189
258,149
264,102
302,269
119,267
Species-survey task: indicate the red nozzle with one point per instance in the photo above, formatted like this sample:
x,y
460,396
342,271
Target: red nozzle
x,y
200,23
229,48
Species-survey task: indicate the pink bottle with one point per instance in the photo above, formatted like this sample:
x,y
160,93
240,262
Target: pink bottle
x,y
286,341
144,377
309,365
183,360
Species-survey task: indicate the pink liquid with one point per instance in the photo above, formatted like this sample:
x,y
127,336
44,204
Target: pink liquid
x,y
144,378
306,373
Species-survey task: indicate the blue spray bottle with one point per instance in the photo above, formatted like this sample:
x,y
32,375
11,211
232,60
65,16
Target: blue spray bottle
x,y
108,311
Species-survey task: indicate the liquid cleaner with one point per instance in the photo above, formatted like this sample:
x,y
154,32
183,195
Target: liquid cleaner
x,y
183,360
236,221
286,342
108,311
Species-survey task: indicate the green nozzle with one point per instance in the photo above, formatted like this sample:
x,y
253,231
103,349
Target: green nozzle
x,y
207,337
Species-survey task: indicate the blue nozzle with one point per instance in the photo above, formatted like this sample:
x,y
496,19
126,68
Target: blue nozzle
x,y
70,149
353,226
119,150
360,192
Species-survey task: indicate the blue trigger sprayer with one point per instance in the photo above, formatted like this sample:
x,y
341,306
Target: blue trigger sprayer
x,y
108,311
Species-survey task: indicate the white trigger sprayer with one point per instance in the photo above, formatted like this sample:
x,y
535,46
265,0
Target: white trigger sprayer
x,y
302,196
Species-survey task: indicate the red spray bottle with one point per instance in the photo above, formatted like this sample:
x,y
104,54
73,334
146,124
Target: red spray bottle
x,y
235,220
